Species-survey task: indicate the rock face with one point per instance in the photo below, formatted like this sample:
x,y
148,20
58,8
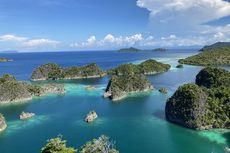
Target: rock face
x,y
2,123
213,56
119,86
91,116
53,71
147,67
163,90
203,105
24,115
12,90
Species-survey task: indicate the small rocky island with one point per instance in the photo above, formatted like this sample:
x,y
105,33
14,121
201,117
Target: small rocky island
x,y
91,116
12,91
3,124
163,90
52,71
120,86
211,56
148,67
5,59
203,105
160,49
26,115
131,49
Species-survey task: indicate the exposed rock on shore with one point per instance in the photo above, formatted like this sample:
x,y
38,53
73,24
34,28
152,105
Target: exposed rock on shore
x,y
53,71
203,105
163,90
3,124
91,116
26,115
120,86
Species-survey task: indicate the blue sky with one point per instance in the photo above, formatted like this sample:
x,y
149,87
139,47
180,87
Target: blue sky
x,y
47,25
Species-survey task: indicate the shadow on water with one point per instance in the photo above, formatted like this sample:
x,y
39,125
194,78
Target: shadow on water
x,y
227,137
160,114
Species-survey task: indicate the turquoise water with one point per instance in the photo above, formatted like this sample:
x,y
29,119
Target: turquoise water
x,y
136,123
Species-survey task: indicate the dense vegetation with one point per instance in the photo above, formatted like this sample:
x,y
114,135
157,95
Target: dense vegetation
x,y
147,67
213,56
119,86
131,49
53,71
216,45
12,90
203,105
101,145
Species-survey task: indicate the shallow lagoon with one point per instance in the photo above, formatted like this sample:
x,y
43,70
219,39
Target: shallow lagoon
x,y
137,123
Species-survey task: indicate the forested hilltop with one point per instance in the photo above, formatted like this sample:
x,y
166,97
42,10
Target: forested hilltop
x,y
52,71
203,105
147,67
212,56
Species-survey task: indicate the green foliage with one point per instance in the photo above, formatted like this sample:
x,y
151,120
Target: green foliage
x,y
34,89
213,77
147,67
57,145
216,45
205,105
53,71
100,145
7,77
212,56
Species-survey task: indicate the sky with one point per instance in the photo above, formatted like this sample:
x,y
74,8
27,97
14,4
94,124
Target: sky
x,y
69,25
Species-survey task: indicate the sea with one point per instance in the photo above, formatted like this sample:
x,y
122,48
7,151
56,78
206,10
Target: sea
x,y
135,124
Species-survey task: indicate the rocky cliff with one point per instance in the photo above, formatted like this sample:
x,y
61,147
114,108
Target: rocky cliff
x,y
203,105
2,123
119,86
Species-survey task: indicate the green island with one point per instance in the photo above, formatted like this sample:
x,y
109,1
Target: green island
x,y
3,124
2,59
130,49
103,144
203,105
148,67
213,56
215,45
52,71
12,91
160,49
120,86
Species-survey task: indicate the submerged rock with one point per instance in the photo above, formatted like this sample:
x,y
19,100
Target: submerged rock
x,y
3,124
26,115
119,86
180,66
91,116
90,88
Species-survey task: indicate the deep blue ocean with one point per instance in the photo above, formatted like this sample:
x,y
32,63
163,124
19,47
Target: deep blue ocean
x,y
137,123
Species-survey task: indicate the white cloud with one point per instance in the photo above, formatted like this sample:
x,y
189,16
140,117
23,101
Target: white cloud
x,y
40,42
15,42
109,41
183,16
9,37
